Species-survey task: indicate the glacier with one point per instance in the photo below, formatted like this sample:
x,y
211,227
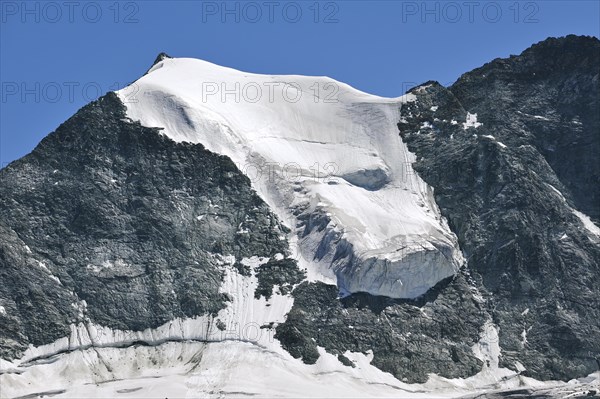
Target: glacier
x,y
328,160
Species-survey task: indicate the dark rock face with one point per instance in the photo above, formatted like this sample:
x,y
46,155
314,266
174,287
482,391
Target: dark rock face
x,y
115,214
283,273
547,97
408,338
499,193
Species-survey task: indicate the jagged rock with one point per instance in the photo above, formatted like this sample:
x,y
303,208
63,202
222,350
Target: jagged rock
x,y
408,338
283,273
117,215
548,98
509,188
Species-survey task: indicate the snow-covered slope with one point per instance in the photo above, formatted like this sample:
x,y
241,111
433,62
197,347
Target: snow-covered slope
x,y
328,160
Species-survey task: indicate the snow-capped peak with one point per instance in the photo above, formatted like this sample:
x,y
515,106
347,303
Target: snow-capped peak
x,y
313,146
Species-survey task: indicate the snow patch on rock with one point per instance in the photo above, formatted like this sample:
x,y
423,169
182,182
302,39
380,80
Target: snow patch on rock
x,y
471,121
593,230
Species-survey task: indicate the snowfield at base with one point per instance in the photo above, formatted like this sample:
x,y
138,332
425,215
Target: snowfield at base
x,y
195,358
315,150
234,369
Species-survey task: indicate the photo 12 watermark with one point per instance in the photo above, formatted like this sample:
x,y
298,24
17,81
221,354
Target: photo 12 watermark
x,y
208,92
470,11
67,92
52,12
293,172
253,12
269,91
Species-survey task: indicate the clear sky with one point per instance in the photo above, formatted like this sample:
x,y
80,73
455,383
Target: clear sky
x,y
56,56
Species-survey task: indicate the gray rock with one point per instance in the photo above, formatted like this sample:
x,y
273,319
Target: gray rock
x,y
115,214
534,256
409,338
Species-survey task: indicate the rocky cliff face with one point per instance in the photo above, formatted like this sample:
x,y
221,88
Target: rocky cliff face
x,y
112,223
511,150
547,97
408,338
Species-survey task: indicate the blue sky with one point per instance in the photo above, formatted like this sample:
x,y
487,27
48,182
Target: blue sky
x,y
56,56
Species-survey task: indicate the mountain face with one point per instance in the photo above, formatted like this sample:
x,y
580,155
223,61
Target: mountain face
x,y
514,188
214,232
111,222
547,98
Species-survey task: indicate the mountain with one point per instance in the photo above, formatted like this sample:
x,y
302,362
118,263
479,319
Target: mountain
x,y
207,231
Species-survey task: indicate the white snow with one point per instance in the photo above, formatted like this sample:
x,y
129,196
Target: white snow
x,y
81,308
488,348
334,152
587,223
520,367
195,357
187,369
2,310
243,318
242,230
43,266
524,336
557,191
471,121
422,89
490,137
543,118
233,367
585,219
320,145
